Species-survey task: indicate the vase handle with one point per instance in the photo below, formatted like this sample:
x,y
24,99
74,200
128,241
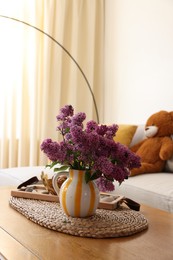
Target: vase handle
x,y
54,180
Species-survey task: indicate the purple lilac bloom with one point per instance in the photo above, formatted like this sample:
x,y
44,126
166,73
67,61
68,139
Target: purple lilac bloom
x,y
111,131
66,111
127,158
106,147
77,134
68,137
78,119
104,185
63,128
91,126
102,130
92,148
53,150
107,131
104,165
120,173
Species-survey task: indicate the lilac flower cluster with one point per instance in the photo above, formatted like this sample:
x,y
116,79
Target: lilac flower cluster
x,y
91,148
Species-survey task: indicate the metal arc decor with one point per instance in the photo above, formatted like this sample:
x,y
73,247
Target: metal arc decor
x,y
66,51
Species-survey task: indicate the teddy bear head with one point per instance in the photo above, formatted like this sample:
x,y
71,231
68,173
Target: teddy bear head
x,y
159,124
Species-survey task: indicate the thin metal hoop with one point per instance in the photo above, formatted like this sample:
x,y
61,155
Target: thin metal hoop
x,y
68,53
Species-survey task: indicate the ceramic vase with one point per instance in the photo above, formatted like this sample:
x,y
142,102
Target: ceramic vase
x,y
77,198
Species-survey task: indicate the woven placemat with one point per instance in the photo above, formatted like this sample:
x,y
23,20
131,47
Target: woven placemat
x,y
105,223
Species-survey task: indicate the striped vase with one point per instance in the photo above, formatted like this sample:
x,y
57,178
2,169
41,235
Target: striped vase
x,y
78,198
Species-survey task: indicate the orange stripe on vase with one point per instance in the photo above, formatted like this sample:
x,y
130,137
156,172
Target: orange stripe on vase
x,y
64,193
92,198
78,193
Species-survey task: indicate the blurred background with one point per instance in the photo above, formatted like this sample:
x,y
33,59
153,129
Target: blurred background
x,y
124,48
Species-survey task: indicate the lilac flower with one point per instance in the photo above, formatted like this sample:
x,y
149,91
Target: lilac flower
x,y
104,184
65,112
91,148
91,126
53,150
77,134
78,119
63,128
104,165
107,131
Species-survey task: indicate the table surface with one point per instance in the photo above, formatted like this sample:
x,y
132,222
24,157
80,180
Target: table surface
x,y
20,238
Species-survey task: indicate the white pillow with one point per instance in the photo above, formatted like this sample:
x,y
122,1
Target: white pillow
x,y
139,135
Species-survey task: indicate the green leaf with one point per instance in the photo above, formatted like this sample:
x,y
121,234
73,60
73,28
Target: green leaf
x,y
48,165
62,168
94,176
52,164
87,176
109,178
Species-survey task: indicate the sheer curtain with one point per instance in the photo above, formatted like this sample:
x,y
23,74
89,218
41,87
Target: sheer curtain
x,y
38,77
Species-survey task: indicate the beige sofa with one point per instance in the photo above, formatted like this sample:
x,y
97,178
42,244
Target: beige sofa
x,y
15,176
153,189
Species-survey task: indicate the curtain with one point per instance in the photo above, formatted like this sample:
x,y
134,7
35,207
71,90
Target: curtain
x,y
38,77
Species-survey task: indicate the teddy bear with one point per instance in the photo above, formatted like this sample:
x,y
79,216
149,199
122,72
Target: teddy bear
x,y
157,147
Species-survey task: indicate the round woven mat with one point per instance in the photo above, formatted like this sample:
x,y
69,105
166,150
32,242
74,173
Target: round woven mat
x,y
105,223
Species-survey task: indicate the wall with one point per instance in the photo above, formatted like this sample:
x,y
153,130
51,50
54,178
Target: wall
x,y
138,59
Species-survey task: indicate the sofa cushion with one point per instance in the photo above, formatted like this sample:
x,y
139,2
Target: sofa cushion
x,y
125,134
153,189
138,136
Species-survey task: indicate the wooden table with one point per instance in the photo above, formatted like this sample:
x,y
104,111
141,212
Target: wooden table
x,y
20,238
